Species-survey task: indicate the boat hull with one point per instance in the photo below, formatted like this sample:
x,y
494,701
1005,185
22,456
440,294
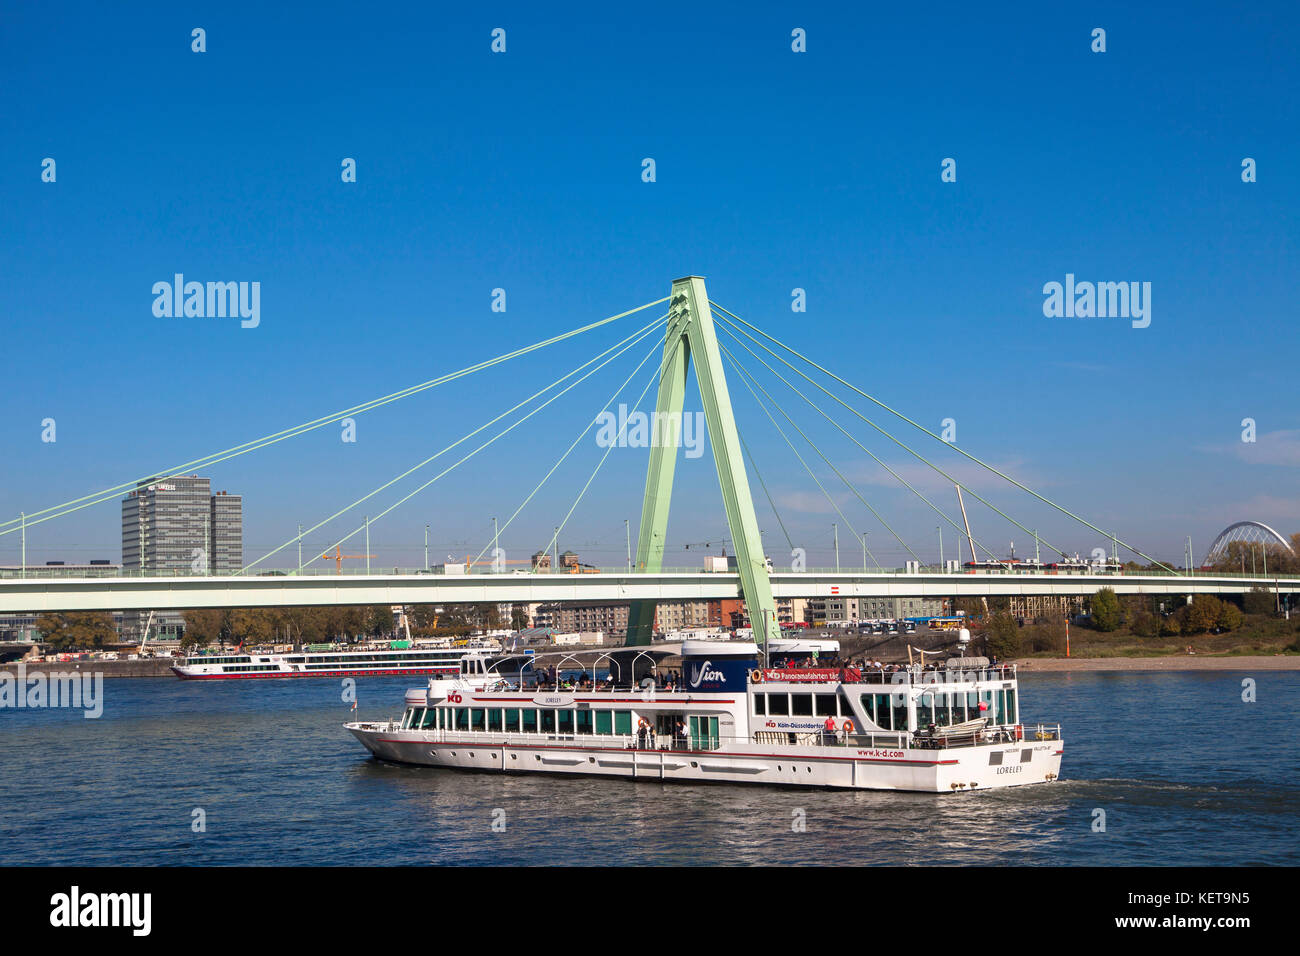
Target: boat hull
x,y
985,767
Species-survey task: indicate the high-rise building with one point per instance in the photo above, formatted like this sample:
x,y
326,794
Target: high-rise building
x,y
226,533
179,527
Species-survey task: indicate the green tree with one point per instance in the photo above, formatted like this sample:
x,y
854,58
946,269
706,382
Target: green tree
x,y
1105,610
205,626
1201,615
1145,624
81,630
379,620
519,617
252,626
1230,616
1257,601
1003,637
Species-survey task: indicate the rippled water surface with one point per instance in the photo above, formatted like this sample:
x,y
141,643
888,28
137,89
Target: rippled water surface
x,y
1185,771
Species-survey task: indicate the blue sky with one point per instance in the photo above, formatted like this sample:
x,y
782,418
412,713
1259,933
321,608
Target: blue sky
x,y
775,170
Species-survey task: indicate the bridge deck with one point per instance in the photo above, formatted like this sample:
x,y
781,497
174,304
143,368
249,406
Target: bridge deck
x,y
50,593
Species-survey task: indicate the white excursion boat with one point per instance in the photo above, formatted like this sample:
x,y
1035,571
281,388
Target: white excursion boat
x,y
466,662
952,728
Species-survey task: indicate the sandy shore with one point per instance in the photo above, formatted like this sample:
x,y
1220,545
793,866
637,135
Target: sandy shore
x,y
1177,662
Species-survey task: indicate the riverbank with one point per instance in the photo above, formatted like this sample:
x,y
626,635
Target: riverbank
x,y
1184,662
149,667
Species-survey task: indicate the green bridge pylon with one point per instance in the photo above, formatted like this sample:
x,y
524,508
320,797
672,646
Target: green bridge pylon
x,y
691,334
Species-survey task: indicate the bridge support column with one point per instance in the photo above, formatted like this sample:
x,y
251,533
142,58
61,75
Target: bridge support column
x,y
691,335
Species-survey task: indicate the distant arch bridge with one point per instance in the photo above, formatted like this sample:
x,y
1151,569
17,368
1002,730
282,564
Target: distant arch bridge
x,y
1249,532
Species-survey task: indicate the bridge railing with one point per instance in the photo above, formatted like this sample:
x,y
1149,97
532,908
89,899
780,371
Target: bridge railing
x,y
57,571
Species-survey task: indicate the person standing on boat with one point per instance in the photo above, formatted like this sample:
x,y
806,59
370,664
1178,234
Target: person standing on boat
x,y
681,732
828,731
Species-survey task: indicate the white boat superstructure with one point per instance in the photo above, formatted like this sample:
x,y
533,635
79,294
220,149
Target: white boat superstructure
x,y
940,730
444,661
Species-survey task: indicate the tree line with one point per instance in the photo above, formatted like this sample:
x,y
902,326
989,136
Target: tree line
x,y
89,630
1004,636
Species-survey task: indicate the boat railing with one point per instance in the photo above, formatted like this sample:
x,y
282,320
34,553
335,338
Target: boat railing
x,y
654,743
1007,734
1041,731
941,675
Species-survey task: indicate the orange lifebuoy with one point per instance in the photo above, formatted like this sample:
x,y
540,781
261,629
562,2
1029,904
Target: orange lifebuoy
x,y
847,726
755,676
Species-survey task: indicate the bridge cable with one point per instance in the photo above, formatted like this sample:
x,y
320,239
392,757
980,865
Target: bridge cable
x,y
744,378
581,435
951,445
617,350
937,510
500,434
658,375
236,450
759,475
829,464
907,448
960,530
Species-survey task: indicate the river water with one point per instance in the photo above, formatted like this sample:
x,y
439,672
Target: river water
x,y
1184,770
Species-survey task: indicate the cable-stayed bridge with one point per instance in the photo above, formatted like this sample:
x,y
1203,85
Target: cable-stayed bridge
x,y
686,338
41,594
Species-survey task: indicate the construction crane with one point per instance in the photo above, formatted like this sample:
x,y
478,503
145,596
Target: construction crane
x,y
145,641
970,538
338,557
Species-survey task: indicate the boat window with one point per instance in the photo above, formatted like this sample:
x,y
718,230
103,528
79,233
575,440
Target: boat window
x,y
430,718
565,725
462,718
548,720
512,719
760,702
943,709
529,715
703,733
925,710
827,706
801,705
1012,713
899,708
494,719
604,721
778,705
623,723
877,708
583,722
476,718
407,717
994,701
